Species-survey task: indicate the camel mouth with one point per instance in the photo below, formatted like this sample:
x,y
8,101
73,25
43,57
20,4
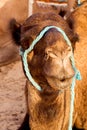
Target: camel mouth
x,y
59,79
59,84
65,83
58,69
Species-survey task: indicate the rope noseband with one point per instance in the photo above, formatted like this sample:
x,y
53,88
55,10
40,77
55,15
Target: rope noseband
x,y
77,73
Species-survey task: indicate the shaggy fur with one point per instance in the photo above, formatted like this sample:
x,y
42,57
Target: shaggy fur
x,y
80,19
51,68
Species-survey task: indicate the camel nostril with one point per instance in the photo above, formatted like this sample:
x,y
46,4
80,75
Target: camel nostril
x,y
62,80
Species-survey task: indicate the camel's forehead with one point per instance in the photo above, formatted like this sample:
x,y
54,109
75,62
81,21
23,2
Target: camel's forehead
x,y
58,46
55,40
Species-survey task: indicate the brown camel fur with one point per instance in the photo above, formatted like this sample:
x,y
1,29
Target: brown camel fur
x,y
51,68
10,9
80,27
56,6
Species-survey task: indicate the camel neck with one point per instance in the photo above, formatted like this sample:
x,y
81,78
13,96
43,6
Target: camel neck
x,y
53,114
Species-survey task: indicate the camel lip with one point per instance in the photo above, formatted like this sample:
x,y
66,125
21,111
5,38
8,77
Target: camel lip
x,y
64,84
58,84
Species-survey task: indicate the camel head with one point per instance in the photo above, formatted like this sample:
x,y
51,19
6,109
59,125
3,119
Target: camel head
x,y
49,62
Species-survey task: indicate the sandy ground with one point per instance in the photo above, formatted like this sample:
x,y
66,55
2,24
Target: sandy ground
x,y
12,96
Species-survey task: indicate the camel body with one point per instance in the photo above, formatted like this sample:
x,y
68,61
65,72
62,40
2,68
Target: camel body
x,y
11,9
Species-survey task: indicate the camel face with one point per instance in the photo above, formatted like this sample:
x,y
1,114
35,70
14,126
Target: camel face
x,y
51,60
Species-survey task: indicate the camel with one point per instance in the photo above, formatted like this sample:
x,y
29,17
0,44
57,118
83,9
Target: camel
x,y
46,67
10,9
50,66
80,53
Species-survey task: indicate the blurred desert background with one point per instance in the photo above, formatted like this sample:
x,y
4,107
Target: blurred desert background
x,y
12,96
12,79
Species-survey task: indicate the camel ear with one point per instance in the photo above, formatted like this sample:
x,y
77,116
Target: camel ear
x,y
74,39
74,35
71,23
15,29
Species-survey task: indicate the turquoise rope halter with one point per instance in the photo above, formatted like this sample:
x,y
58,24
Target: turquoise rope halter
x,y
29,76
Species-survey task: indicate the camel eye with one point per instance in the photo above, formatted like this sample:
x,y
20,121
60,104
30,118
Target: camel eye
x,y
50,55
46,56
69,51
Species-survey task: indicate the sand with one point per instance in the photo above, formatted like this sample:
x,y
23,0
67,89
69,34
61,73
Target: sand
x,y
12,96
